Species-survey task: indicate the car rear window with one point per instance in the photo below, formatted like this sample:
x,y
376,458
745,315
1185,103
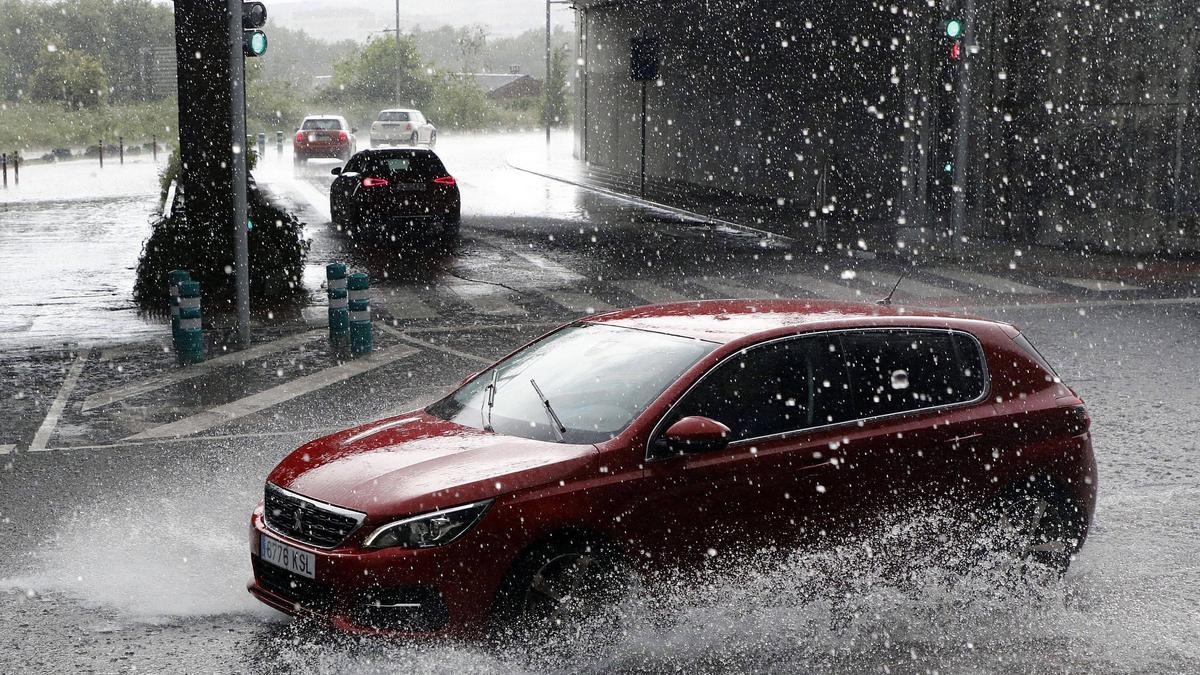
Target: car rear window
x,y
393,116
322,125
404,165
900,371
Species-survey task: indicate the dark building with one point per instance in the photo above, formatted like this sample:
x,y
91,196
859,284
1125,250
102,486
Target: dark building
x,y
842,120
507,86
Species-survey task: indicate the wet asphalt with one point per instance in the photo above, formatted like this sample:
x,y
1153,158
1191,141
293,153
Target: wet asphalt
x,y
124,555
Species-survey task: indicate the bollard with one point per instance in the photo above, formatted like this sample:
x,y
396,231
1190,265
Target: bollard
x,y
101,146
121,148
339,319
174,278
154,147
4,168
189,346
358,285
262,144
278,142
16,157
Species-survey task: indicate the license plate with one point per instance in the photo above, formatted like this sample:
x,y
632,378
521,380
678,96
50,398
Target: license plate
x,y
289,558
409,187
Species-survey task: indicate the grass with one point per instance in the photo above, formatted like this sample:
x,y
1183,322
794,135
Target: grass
x,y
39,127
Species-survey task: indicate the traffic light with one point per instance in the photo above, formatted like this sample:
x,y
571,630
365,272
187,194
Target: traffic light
x,y
254,16
953,28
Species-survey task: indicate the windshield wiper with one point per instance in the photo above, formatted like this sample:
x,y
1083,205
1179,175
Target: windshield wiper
x,y
491,401
555,423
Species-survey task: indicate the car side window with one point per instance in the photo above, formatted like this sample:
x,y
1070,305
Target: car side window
x,y
355,165
901,371
775,388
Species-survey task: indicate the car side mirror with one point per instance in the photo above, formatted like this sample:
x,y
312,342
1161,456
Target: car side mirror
x,y
354,130
696,434
337,170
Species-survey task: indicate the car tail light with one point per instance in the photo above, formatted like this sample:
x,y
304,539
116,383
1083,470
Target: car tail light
x,y
444,180
299,136
1079,419
374,182
342,136
408,127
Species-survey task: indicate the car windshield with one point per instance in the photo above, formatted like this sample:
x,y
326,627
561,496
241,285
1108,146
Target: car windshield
x,y
393,116
597,378
322,125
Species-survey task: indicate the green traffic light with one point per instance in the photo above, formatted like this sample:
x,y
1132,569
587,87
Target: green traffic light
x,y
954,28
254,43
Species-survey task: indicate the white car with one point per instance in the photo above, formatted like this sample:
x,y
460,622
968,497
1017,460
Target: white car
x,y
402,126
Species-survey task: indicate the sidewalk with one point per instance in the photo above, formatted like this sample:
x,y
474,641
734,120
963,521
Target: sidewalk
x,y
766,218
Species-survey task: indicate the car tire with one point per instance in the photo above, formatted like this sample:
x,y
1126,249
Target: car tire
x,y
432,138
450,226
563,584
1037,525
415,140
299,161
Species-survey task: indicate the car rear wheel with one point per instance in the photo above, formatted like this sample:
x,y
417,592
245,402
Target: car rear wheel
x,y
432,138
1037,526
415,139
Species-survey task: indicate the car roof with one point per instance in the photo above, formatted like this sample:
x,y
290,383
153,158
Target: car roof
x,y
731,320
397,151
408,110
325,117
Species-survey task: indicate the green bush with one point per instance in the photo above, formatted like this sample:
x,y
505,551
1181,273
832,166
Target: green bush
x,y
40,126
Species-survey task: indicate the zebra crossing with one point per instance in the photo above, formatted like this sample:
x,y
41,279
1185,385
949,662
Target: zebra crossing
x,y
555,289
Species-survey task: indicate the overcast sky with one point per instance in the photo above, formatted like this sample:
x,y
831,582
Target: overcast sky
x,y
353,19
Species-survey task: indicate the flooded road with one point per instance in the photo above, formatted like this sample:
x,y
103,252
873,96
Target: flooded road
x,y
124,554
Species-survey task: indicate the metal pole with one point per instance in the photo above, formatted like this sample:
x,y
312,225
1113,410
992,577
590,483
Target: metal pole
x,y
16,156
963,130
237,115
398,66
4,168
154,147
546,81
643,135
101,146
121,148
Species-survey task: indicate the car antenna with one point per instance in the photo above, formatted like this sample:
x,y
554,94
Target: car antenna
x,y
888,300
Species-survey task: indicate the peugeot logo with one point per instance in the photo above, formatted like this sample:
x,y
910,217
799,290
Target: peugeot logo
x,y
298,519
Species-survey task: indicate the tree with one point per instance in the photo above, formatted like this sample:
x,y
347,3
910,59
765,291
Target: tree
x,y
70,77
472,41
459,103
554,90
373,73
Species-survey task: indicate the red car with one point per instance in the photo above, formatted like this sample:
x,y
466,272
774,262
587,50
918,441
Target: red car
x,y
659,435
323,136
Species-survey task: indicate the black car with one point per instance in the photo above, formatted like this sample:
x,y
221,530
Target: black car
x,y
395,192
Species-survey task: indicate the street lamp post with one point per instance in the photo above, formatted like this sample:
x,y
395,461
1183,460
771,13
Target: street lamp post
x,y
397,52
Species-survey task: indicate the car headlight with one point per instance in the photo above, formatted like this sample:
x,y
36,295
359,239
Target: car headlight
x,y
436,528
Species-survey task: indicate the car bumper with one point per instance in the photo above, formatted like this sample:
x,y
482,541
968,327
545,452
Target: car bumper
x,y
400,592
322,150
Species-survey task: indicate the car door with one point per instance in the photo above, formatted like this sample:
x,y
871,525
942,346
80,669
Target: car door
x,y
343,186
776,481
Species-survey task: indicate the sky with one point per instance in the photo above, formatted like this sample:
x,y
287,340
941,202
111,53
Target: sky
x,y
354,19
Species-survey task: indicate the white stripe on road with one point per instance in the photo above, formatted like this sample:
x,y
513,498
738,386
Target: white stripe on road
x,y
651,292
988,281
7,448
727,288
562,272
403,303
883,282
140,387
42,436
486,299
581,303
1099,284
274,396
433,345
819,287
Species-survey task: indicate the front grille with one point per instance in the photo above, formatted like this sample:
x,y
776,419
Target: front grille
x,y
307,520
300,590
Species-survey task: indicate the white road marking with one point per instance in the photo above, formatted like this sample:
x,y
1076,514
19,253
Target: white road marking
x,y
651,292
403,303
224,414
433,345
582,303
727,288
42,436
486,299
1099,284
545,265
140,387
988,281
819,287
7,448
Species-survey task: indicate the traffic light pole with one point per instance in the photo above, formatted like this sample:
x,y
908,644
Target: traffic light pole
x,y
237,114
963,129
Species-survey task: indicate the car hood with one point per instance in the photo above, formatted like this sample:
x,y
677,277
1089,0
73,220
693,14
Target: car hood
x,y
417,462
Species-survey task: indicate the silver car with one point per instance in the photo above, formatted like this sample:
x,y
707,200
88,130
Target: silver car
x,y
402,126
